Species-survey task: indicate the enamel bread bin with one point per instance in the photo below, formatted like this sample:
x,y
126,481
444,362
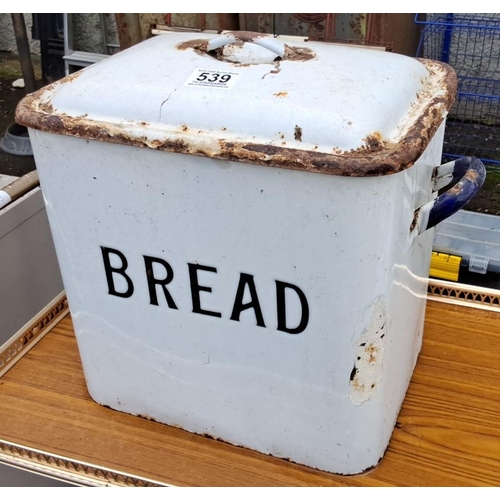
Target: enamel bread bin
x,y
244,227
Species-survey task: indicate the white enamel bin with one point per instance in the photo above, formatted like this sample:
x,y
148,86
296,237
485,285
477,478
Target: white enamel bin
x,y
243,228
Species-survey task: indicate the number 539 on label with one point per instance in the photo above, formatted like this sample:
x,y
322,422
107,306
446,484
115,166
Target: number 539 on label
x,y
212,79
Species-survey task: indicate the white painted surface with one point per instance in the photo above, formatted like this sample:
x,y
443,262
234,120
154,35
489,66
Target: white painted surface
x,y
343,241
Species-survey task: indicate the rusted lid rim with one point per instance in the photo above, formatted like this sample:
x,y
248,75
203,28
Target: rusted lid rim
x,y
375,158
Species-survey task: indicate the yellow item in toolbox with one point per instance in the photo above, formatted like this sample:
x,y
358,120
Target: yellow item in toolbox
x,y
445,266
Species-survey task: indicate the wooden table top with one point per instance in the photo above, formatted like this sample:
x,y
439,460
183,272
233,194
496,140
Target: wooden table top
x,y
447,434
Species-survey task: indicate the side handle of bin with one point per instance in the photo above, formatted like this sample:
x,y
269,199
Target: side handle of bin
x,y
467,174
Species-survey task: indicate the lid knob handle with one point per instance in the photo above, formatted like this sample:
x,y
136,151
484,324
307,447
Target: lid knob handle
x,y
262,39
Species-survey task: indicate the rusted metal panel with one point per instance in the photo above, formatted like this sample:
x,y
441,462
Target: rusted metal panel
x,y
221,22
396,31
188,20
133,28
327,27
149,21
129,30
350,27
307,25
216,22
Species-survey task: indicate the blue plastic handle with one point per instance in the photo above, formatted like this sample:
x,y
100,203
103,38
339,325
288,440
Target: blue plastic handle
x,y
470,174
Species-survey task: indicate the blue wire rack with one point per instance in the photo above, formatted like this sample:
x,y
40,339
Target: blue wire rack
x,y
470,43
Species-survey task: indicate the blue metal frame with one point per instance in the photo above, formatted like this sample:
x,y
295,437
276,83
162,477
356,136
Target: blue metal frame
x,y
468,42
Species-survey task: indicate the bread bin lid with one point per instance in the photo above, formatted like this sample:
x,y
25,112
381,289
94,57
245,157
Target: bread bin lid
x,y
251,97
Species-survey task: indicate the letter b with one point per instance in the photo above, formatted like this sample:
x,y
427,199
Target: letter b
x,y
116,270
